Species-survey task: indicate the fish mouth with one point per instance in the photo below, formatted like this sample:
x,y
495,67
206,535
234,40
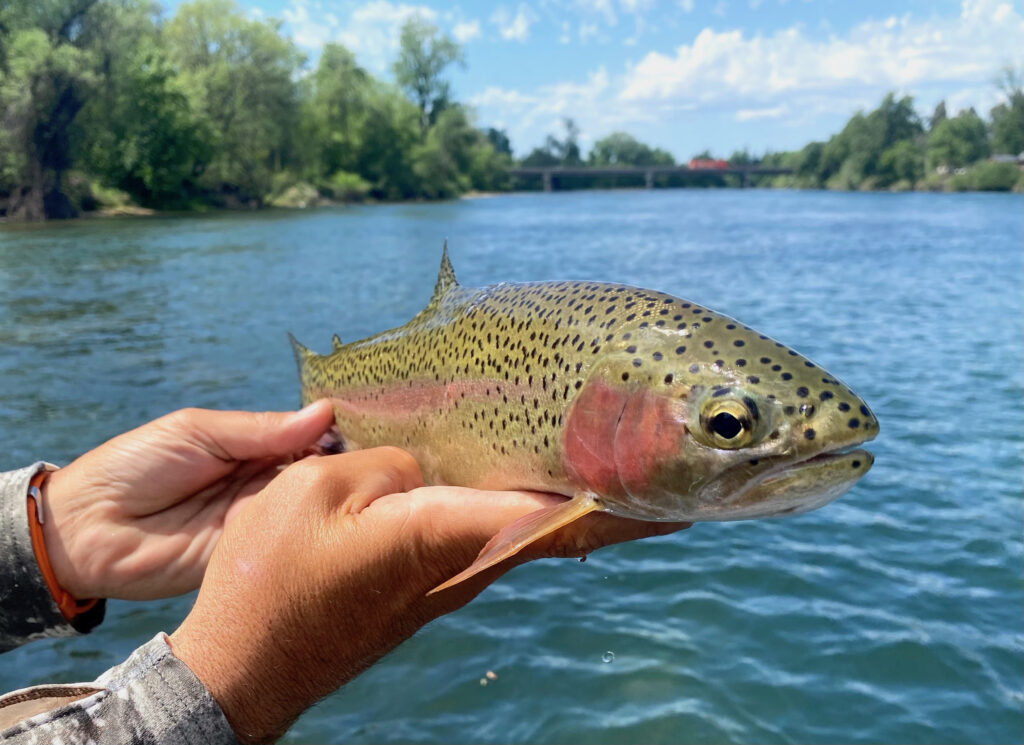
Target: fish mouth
x,y
792,487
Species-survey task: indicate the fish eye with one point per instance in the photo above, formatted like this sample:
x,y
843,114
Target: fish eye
x,y
728,423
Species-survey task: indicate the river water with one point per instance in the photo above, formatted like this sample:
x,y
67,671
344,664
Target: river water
x,y
892,615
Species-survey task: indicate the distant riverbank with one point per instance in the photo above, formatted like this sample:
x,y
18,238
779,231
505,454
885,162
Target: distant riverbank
x,y
121,210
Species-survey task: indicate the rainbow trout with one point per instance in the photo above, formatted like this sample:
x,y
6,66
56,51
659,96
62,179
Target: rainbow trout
x,y
627,400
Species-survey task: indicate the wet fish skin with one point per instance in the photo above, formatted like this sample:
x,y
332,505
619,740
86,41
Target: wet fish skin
x,y
631,401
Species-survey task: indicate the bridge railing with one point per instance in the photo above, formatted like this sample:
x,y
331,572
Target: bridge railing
x,y
550,174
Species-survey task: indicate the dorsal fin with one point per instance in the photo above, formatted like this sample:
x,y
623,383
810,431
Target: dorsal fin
x,y
301,352
445,279
336,343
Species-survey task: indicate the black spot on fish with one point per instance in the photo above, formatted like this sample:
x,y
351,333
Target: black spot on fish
x,y
625,376
709,344
864,410
808,434
741,362
730,326
853,423
753,379
856,464
738,343
787,376
657,356
680,350
720,392
668,378
843,406
802,392
695,368
765,360
825,395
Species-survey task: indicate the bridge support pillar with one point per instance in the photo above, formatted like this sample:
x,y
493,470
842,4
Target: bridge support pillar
x,y
649,179
548,186
746,178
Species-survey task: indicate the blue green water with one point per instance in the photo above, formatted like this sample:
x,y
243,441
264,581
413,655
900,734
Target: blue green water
x,y
893,615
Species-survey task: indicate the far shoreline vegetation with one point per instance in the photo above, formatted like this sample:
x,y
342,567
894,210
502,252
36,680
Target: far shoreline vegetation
x,y
107,107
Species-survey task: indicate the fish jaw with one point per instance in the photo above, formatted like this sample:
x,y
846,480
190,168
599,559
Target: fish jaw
x,y
789,489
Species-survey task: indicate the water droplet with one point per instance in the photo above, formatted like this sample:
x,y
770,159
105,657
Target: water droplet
x,y
608,657
483,681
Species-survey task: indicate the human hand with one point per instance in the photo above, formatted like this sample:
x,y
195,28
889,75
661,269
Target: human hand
x,y
328,569
138,517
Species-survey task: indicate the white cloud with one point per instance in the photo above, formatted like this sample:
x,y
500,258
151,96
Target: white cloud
x,y
746,115
588,31
897,53
466,31
601,8
371,31
529,116
686,5
636,6
307,29
514,27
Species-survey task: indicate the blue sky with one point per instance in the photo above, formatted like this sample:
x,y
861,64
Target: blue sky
x,y
686,75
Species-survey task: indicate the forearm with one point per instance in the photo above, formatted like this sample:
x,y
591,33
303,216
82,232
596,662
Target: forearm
x,y
152,697
27,609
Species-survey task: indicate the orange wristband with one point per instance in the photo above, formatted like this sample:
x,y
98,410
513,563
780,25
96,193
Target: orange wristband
x,y
69,607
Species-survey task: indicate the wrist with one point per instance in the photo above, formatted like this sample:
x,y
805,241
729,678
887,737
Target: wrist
x,y
235,668
50,550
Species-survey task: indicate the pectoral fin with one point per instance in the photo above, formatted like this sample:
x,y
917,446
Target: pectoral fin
x,y
524,531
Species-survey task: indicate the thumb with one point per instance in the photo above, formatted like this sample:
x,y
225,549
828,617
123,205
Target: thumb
x,y
246,435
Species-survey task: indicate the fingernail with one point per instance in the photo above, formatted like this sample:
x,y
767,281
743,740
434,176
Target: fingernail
x,y
309,409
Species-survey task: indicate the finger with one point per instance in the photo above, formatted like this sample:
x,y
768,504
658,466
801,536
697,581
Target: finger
x,y
348,482
453,524
245,435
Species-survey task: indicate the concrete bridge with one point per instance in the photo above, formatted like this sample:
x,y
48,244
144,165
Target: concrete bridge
x,y
552,174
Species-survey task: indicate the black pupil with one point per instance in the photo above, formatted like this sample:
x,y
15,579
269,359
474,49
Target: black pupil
x,y
726,425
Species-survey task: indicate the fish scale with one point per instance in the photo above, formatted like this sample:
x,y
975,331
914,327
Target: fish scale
x,y
617,396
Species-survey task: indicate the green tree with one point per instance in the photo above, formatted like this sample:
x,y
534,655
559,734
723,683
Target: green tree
x,y
499,141
424,54
336,113
938,116
958,141
1008,116
902,162
240,75
851,159
46,76
620,148
138,132
386,155
556,152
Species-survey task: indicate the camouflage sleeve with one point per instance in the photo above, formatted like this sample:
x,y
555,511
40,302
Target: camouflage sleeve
x,y
27,610
152,698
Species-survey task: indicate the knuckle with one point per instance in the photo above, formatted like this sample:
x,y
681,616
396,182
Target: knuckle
x,y
306,474
186,416
401,463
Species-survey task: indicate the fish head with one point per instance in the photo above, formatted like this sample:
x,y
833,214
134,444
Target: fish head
x,y
740,428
